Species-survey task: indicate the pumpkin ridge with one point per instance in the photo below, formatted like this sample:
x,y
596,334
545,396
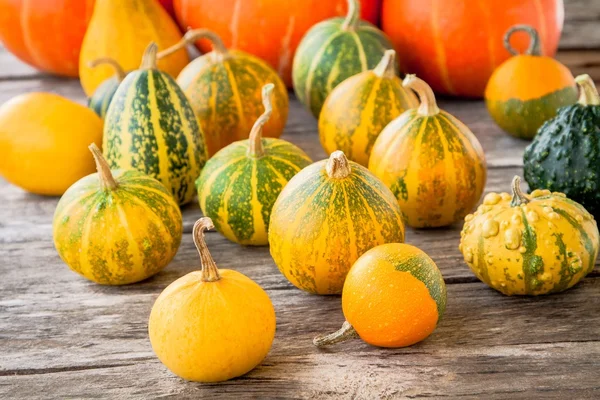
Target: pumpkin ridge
x,y
532,263
228,226
481,262
233,83
400,136
440,52
361,51
164,163
448,199
565,277
349,220
133,248
84,263
63,209
259,223
210,180
587,243
369,109
371,213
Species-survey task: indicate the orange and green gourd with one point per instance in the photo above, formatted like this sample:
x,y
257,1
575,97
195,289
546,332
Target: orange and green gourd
x,y
431,161
357,110
224,88
104,93
326,217
332,51
527,89
394,296
117,227
214,324
530,244
239,185
150,126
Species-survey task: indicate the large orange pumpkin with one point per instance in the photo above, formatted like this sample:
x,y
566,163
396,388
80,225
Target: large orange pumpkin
x,y
269,29
455,45
46,34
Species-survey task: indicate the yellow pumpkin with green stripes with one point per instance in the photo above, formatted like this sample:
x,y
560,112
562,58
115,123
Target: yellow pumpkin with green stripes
x,y
117,227
150,126
358,109
431,161
326,217
224,89
332,51
530,244
104,93
239,185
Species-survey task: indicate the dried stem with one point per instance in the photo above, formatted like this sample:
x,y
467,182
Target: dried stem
x,y
210,272
426,97
107,180
337,166
255,147
346,332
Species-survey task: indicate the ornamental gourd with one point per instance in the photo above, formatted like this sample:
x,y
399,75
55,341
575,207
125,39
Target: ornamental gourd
x,y
431,161
358,109
211,325
530,245
332,51
224,89
565,154
239,185
527,89
326,217
394,296
116,227
103,95
150,126
121,30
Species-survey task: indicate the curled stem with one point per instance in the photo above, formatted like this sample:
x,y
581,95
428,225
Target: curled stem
x,y
518,197
588,93
428,105
387,66
119,72
337,166
149,57
255,147
107,180
534,48
192,36
346,332
352,16
210,272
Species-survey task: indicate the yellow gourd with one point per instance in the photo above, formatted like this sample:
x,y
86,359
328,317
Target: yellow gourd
x,y
214,324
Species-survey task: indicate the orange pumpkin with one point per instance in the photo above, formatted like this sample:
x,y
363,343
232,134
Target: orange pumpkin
x,y
455,45
46,34
269,29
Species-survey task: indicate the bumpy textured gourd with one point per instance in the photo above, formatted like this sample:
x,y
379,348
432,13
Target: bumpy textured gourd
x,y
431,161
224,88
530,245
527,89
408,292
326,217
565,154
239,185
332,51
357,110
150,126
116,227
214,324
104,93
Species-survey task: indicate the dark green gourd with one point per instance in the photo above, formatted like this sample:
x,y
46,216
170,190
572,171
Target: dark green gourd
x,y
565,154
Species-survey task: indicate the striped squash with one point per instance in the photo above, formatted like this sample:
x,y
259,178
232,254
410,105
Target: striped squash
x,y
332,51
530,245
239,185
116,227
224,89
325,218
431,161
359,108
103,95
150,126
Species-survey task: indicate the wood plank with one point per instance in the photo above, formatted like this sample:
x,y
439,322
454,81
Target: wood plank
x,y
582,25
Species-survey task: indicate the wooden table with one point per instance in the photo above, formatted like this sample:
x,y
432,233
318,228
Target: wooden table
x,y
62,336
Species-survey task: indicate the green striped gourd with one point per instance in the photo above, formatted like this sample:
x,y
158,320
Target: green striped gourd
x,y
239,185
117,227
104,93
332,51
150,126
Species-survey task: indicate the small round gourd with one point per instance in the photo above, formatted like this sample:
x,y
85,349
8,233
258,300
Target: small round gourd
x,y
116,227
527,89
224,88
214,324
100,100
239,185
529,245
394,296
431,161
357,110
326,217
333,50
565,154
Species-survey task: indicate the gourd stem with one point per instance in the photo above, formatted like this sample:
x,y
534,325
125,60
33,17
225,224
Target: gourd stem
x,y
534,48
588,93
255,147
353,15
341,335
518,197
192,36
107,180
387,66
119,72
210,272
149,57
428,105
337,166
